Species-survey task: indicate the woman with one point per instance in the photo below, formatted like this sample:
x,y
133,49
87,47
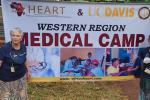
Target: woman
x,y
12,68
135,66
145,77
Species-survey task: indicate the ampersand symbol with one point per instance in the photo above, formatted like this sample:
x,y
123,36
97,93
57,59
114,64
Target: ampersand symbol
x,y
80,12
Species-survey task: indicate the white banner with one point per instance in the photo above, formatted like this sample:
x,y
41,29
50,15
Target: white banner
x,y
56,31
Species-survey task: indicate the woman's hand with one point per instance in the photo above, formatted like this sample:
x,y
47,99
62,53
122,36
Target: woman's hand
x,y
0,63
28,76
129,69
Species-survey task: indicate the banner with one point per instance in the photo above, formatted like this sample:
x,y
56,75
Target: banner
x,y
79,41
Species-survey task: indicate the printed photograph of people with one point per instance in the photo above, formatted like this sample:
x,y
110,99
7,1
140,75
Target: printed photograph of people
x,y
122,62
78,62
43,61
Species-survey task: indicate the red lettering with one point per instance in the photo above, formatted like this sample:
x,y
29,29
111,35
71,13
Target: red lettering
x,y
67,35
25,38
34,39
115,41
139,39
127,42
56,39
77,40
101,40
45,37
86,42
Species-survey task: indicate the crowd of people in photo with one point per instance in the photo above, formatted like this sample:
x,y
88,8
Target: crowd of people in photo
x,y
77,67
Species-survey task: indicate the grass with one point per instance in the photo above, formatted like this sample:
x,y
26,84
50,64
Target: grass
x,y
75,91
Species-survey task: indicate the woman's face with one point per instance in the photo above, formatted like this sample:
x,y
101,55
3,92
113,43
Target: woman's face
x,y
16,37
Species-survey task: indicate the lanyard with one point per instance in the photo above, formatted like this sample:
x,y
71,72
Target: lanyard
x,y
13,56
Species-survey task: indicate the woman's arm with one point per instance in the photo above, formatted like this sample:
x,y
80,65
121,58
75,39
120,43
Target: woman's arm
x,y
136,66
1,55
28,73
132,69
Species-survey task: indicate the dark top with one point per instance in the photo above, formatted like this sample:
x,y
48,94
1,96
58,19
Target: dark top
x,y
137,63
12,57
143,52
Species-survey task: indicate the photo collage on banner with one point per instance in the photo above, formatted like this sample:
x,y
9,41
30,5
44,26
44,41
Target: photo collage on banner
x,y
99,62
122,62
43,62
80,62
